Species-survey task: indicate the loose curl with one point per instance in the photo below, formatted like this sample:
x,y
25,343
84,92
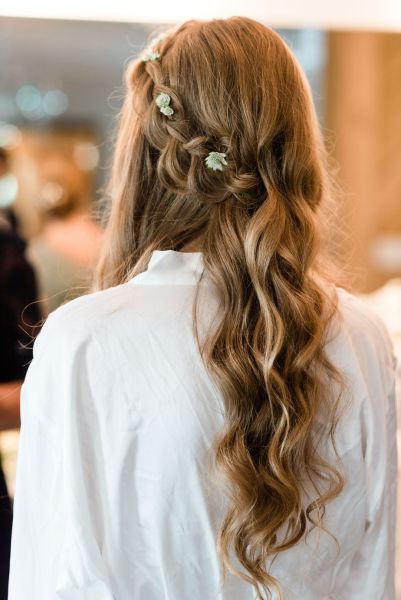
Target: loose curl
x,y
236,88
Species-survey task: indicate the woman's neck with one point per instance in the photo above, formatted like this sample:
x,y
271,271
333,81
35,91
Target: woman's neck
x,y
194,246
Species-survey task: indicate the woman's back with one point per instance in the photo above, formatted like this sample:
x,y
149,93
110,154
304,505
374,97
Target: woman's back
x,y
116,497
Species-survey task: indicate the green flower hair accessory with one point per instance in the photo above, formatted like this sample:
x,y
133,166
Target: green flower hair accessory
x,y
150,55
163,102
216,161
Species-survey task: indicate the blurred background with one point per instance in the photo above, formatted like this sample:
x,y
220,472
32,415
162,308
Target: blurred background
x,y
60,91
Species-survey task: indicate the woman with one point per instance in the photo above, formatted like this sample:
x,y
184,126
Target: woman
x,y
65,249
19,322
215,420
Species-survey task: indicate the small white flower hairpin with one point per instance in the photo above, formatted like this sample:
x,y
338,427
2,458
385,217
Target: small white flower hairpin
x,y
163,102
216,161
151,53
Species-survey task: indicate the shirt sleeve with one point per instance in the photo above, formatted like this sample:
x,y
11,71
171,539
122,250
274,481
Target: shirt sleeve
x,y
58,509
373,568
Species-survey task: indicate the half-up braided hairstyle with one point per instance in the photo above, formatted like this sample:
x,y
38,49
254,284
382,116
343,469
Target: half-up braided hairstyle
x,y
235,88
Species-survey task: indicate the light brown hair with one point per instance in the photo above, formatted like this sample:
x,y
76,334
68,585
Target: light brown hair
x,y
236,88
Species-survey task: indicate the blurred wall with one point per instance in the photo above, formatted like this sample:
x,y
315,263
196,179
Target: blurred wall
x,y
363,116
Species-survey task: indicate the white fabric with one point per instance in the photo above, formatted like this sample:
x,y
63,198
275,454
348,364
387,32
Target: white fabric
x,y
113,497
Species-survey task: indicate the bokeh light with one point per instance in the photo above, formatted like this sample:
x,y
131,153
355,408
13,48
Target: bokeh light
x,y
86,156
51,194
10,135
29,99
54,103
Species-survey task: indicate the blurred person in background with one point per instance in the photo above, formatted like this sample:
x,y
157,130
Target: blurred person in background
x,y
19,322
216,420
66,248
8,189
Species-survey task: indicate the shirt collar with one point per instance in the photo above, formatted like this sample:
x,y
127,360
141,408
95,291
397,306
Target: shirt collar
x,y
171,267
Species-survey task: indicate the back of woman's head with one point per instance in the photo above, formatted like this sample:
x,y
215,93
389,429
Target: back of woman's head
x,y
234,87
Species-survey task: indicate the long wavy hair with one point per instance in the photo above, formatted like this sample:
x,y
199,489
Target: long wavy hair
x,y
236,88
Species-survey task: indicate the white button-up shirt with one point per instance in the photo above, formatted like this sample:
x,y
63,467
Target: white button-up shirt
x,y
113,496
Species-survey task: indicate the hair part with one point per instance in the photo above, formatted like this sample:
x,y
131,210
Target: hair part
x,y
236,88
